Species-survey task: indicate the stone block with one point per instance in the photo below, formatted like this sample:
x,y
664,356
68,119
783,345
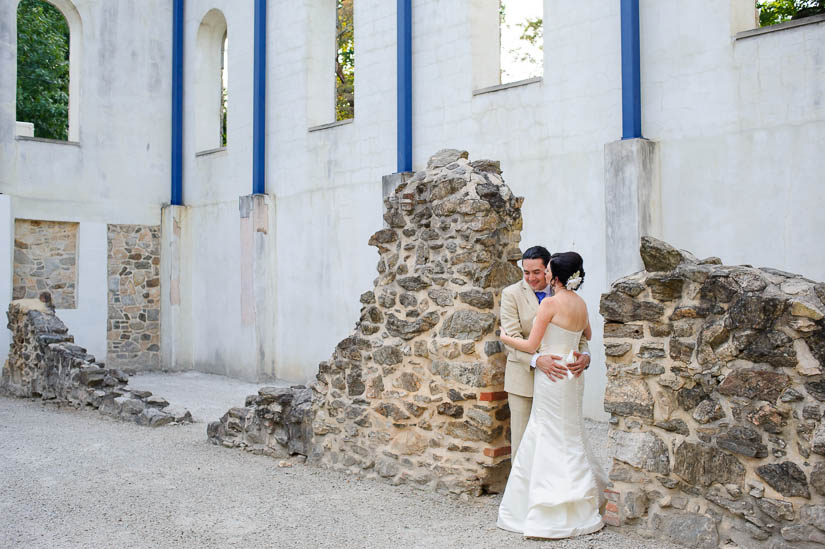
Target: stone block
x,y
786,478
703,465
687,529
755,384
627,396
659,256
468,324
742,440
632,331
643,450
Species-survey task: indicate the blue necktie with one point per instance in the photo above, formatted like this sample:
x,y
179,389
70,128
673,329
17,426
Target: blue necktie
x,y
540,296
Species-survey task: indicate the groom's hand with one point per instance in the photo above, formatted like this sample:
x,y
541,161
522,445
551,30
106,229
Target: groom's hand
x,y
548,365
580,365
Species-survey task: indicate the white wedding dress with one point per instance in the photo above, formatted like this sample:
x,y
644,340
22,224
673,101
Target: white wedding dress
x,y
555,485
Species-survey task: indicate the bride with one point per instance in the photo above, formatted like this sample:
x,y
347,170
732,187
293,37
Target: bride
x,y
554,486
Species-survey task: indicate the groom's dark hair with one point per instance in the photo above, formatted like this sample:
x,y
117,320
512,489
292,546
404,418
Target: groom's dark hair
x,y
537,252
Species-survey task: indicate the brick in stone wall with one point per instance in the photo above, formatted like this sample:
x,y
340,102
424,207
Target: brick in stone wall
x,y
133,327
45,259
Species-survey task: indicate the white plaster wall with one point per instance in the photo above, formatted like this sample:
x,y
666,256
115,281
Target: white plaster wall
x,y
328,184
119,173
118,169
740,126
221,345
6,266
212,184
88,321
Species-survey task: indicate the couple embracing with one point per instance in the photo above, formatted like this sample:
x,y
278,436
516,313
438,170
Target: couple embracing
x,y
555,485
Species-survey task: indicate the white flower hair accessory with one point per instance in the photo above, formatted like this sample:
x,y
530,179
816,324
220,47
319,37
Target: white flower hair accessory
x,y
574,281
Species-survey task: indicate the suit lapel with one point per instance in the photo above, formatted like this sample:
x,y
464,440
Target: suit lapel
x,y
530,299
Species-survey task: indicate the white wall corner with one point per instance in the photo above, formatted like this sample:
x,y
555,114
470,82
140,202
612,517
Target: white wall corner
x,y
176,339
6,268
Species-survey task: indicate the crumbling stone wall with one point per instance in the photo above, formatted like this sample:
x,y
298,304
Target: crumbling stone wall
x,y
45,363
414,394
45,259
133,329
716,390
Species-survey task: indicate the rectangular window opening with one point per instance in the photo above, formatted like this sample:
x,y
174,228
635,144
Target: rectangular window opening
x,y
521,31
344,60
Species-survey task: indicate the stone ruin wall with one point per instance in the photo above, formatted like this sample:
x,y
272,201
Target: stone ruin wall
x,y
133,323
716,390
414,394
45,260
45,363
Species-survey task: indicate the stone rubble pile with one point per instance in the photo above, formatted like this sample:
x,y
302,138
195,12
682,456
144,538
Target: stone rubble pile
x,y
44,362
716,390
414,394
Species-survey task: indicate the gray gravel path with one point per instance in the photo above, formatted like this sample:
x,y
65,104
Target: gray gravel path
x,y
206,396
71,478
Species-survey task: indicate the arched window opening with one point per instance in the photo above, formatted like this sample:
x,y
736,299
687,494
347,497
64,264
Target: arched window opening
x,y
224,87
522,39
211,83
344,61
43,71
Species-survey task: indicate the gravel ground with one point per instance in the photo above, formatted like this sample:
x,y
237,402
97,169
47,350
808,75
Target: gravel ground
x,y
206,396
74,478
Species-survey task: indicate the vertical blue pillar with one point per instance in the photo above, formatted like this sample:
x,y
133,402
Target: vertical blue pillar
x,y
404,85
259,101
177,103
631,71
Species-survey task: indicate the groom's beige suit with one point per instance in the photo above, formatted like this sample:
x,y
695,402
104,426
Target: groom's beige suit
x,y
519,306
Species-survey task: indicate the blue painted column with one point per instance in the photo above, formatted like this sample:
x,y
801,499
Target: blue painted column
x,y
177,103
259,101
404,85
631,71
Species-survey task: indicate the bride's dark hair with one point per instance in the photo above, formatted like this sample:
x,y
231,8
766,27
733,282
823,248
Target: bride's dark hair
x,y
564,265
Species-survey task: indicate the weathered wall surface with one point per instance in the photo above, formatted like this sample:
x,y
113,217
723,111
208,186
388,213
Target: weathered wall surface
x,y
738,123
44,362
45,260
133,328
715,386
414,394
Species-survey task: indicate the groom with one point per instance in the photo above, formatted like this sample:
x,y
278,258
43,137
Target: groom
x,y
519,305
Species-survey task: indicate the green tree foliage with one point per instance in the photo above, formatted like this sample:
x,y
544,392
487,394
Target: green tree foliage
x,y
778,11
43,69
344,62
532,31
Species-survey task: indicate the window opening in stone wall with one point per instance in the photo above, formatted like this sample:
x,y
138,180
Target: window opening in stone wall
x,y
224,87
780,11
344,61
211,83
521,31
42,71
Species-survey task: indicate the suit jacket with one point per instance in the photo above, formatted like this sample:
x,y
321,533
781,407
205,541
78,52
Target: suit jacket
x,y
519,306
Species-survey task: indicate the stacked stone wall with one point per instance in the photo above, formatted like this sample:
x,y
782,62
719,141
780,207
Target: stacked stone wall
x,y
45,363
716,390
133,328
414,394
45,260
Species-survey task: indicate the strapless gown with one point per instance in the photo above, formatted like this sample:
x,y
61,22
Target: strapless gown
x,y
555,485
